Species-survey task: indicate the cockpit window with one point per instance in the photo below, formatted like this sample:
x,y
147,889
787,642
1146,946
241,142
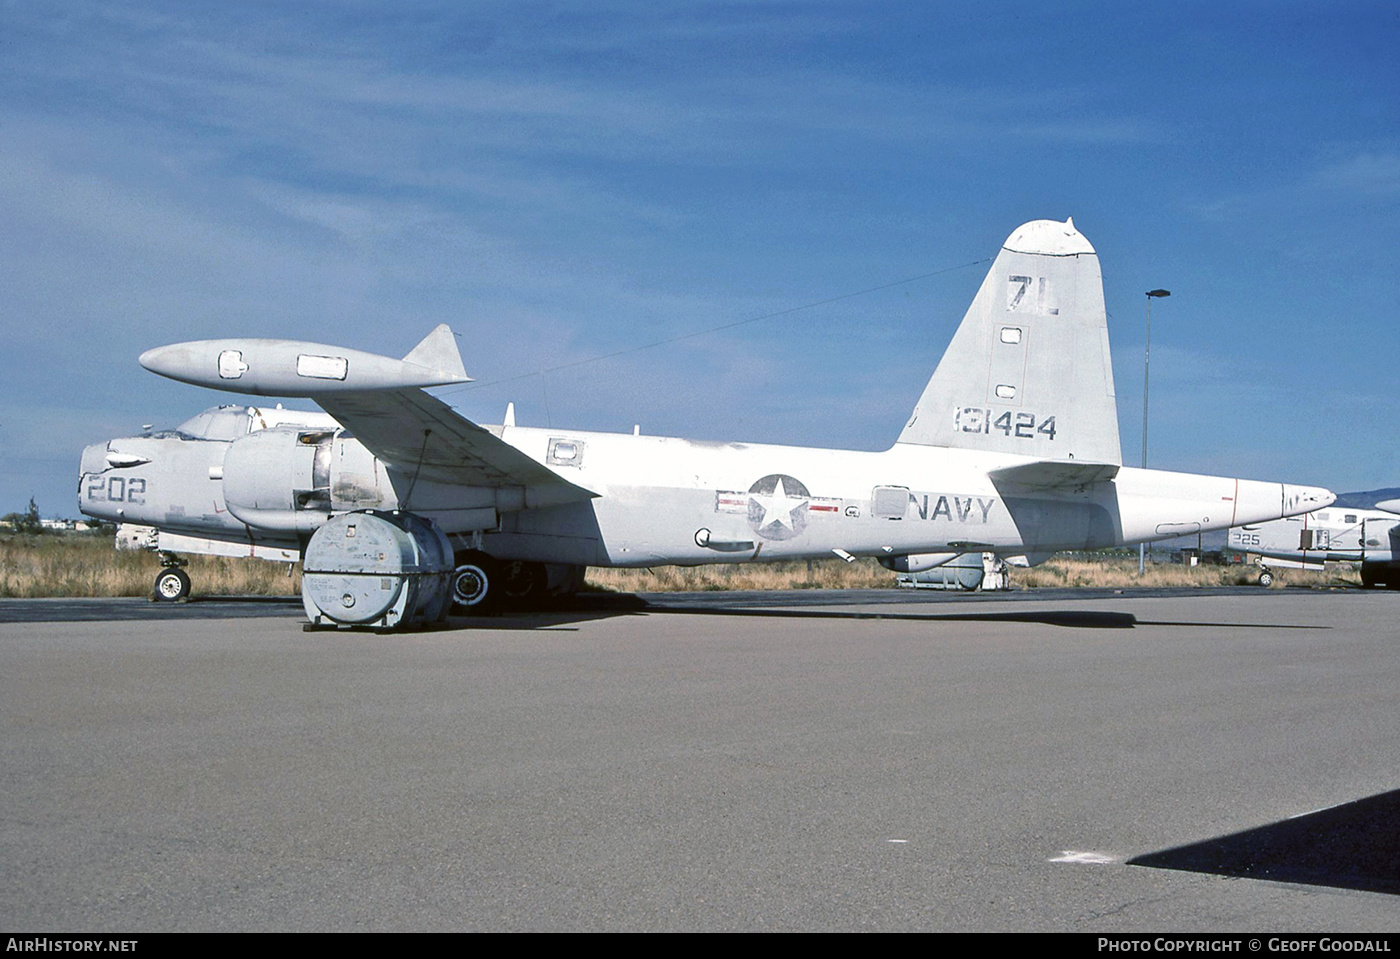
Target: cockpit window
x,y
218,423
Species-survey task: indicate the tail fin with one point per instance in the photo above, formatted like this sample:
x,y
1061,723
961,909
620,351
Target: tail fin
x,y
1028,370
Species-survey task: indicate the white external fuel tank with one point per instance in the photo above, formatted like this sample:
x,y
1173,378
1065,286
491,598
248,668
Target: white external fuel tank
x,y
377,569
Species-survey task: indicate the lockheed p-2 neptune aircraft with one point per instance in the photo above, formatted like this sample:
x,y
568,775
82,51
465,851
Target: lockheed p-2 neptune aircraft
x,y
1013,449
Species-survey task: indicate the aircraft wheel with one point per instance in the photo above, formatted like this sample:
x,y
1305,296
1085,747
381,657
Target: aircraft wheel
x,y
475,584
523,583
172,583
1266,578
1369,580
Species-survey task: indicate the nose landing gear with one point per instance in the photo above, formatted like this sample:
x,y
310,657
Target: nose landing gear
x,y
172,583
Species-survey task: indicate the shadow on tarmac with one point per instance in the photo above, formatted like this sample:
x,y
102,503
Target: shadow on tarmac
x,y
809,605
1074,618
589,606
1352,846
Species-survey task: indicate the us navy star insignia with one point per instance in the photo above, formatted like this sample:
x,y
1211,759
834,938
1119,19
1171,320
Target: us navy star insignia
x,y
778,506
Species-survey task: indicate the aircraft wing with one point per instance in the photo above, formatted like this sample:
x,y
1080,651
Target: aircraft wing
x,y
415,432
380,400
1054,474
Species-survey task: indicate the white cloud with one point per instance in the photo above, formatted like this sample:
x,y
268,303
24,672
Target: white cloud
x,y
1373,175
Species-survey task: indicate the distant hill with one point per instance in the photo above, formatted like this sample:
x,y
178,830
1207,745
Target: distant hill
x,y
1367,499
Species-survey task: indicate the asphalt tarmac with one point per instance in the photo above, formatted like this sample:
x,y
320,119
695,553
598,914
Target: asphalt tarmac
x,y
1072,761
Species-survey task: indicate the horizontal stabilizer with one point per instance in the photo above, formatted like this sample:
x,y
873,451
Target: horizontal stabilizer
x,y
1054,474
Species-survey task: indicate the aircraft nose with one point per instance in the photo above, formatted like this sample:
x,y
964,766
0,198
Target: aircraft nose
x,y
93,462
94,459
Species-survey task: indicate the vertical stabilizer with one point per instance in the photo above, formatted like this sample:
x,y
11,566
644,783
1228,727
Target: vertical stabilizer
x,y
1028,370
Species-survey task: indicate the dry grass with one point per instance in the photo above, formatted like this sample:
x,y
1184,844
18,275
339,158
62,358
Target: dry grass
x,y
1117,571
88,565
819,574
1105,570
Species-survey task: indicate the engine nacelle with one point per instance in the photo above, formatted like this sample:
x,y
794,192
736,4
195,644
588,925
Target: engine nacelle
x,y
916,562
280,479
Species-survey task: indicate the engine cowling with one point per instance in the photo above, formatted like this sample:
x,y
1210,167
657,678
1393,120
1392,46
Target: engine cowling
x,y
291,480
280,479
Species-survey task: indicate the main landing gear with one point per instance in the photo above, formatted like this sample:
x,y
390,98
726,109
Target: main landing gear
x,y
483,584
474,586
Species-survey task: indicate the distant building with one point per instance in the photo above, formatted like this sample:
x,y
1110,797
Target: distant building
x,y
66,525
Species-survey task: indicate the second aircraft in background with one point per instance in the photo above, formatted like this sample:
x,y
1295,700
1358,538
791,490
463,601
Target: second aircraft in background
x,y
1370,537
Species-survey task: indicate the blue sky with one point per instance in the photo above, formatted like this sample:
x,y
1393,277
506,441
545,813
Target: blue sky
x,y
560,181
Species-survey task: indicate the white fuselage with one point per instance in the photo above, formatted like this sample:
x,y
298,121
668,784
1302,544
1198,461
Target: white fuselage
x,y
663,500
657,495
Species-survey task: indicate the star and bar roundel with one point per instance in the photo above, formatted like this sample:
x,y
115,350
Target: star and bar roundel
x,y
778,506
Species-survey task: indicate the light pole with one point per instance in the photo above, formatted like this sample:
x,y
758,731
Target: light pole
x,y
1146,366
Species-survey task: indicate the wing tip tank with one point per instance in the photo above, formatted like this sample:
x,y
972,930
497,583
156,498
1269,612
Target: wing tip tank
x,y
294,368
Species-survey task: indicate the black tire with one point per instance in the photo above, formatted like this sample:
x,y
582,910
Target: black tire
x,y
1369,579
1266,578
523,584
172,584
475,584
